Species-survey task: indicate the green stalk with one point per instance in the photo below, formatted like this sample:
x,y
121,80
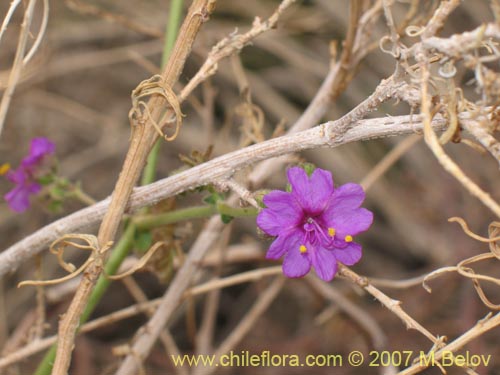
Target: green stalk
x,y
150,221
124,245
174,20
225,209
117,256
114,262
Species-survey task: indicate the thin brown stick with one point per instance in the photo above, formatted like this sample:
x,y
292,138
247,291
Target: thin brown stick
x,y
143,137
35,347
393,305
433,142
131,24
17,66
481,327
205,335
214,170
166,337
245,325
8,16
478,131
229,45
169,301
361,317
388,161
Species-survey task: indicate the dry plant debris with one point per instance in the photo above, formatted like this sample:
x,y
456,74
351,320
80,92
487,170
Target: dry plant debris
x,y
258,87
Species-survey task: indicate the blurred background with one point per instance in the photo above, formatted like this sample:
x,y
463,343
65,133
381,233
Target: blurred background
x,y
76,92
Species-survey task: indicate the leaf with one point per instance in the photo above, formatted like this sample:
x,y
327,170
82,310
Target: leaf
x,y
226,219
213,198
55,206
57,193
46,179
309,168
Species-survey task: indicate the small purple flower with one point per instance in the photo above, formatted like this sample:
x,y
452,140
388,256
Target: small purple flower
x,y
40,147
18,198
314,224
24,177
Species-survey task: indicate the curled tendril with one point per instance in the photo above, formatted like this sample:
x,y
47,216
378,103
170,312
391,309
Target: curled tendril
x,y
393,51
58,247
90,243
493,231
463,268
142,262
140,110
447,70
413,31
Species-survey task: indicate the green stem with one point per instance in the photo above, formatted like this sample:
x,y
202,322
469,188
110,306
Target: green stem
x,y
149,221
123,247
115,260
225,209
45,367
145,222
83,197
174,20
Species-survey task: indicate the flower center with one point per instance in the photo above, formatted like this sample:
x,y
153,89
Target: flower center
x,y
316,233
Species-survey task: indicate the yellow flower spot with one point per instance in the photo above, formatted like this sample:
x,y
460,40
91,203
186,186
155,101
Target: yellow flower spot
x,y
331,232
4,168
348,238
302,249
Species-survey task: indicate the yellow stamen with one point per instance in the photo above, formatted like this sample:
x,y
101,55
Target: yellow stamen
x,y
4,168
302,249
331,232
348,238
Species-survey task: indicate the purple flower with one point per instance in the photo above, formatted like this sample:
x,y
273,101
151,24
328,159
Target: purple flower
x,y
24,177
314,223
18,198
40,147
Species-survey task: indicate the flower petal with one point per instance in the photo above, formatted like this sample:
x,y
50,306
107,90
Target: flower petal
x,y
268,221
285,204
325,263
349,255
17,176
296,264
347,196
38,149
322,183
18,199
312,193
284,242
349,222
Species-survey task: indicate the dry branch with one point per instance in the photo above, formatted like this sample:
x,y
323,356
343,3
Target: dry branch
x,y
216,169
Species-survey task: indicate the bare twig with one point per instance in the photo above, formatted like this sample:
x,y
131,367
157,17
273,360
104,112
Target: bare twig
x,y
119,19
482,326
41,33
477,129
35,347
17,66
364,319
393,305
245,325
12,8
388,161
214,170
229,45
433,142
169,302
144,136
